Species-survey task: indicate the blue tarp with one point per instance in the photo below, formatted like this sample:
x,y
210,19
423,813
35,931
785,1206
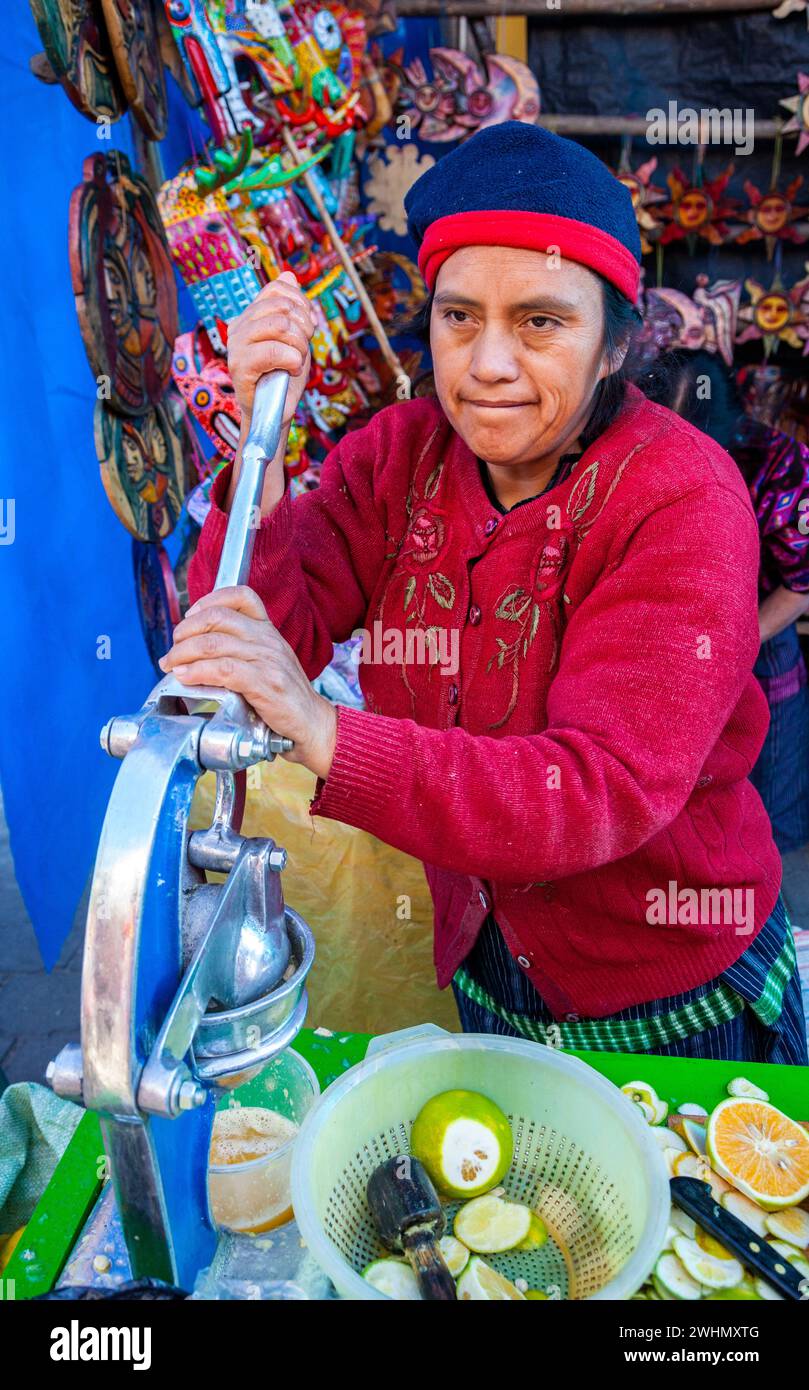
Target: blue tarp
x,y
66,580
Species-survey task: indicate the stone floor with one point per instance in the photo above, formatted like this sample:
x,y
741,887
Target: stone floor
x,y
39,1012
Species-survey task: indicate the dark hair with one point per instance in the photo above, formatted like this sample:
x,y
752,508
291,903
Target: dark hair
x,y
620,319
675,381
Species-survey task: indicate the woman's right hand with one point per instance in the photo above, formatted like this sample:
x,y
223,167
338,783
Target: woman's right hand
x,y
273,333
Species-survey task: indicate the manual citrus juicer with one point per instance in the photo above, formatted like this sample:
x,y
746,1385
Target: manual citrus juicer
x,y
186,985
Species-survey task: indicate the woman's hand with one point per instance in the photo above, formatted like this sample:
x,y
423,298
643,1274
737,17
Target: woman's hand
x,y
227,640
273,333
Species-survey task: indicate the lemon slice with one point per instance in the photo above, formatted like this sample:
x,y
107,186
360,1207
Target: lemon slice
x,y
455,1253
536,1295
745,1210
483,1284
712,1246
740,1086
393,1278
464,1141
491,1224
760,1150
743,1291
537,1234
791,1225
672,1276
709,1270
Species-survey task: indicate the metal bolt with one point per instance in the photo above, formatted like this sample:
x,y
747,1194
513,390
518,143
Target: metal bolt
x,y
191,1096
278,858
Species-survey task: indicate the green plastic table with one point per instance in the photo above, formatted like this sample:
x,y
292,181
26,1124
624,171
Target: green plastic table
x,y
59,1217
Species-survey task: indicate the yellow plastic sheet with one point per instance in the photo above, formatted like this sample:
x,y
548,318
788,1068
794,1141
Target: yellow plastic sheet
x,y
367,904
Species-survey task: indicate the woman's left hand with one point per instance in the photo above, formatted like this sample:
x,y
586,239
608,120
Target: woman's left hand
x,y
227,640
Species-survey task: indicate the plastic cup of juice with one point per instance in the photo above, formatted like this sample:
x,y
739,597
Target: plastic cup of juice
x,y
254,1133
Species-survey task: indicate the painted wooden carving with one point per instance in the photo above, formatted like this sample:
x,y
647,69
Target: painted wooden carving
x,y
143,468
78,50
132,30
126,296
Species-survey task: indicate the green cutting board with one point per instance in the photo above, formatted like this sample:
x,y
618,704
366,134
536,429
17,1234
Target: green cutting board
x,y
60,1214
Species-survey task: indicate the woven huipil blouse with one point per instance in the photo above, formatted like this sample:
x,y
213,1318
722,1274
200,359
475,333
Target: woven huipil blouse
x,y
596,740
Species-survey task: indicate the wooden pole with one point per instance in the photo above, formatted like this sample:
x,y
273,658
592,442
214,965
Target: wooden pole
x,y
547,9
348,265
626,125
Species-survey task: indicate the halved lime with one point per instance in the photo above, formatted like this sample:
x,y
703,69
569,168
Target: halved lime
x,y
455,1253
483,1284
464,1141
393,1278
491,1224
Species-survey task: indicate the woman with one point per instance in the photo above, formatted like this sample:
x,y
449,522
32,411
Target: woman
x,y
601,869
776,469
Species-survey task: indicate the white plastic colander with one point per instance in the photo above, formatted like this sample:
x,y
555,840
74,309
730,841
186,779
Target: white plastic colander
x,y
583,1158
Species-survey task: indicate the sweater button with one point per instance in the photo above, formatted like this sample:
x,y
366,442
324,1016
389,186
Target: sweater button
x,y
484,901
452,694
524,962
475,614
491,525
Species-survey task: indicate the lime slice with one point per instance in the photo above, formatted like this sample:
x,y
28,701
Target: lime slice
x,y
694,1136
483,1284
712,1246
791,1255
393,1278
743,1291
791,1225
661,1292
491,1224
535,1295
709,1270
740,1086
673,1278
691,1111
455,1253
668,1138
747,1211
690,1165
642,1092
537,1234
767,1292
685,1224
464,1141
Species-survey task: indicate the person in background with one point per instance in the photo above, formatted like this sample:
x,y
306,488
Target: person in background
x,y
698,386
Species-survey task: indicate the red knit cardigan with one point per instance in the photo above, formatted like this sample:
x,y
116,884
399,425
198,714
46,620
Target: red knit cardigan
x,y
596,741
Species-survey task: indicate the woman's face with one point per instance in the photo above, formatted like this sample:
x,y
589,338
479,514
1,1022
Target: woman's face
x,y
516,343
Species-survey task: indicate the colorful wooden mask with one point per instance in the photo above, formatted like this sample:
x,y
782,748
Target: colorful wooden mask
x,y
132,30
208,251
697,210
776,314
211,68
708,319
157,598
79,53
143,468
773,217
204,383
463,97
126,296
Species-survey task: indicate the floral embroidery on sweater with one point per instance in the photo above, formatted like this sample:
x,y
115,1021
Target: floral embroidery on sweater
x,y
423,542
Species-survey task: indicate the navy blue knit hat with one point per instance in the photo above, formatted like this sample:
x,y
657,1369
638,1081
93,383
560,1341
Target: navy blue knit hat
x,y
515,184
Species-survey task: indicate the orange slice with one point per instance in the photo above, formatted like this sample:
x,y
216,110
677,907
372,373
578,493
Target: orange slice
x,y
760,1150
